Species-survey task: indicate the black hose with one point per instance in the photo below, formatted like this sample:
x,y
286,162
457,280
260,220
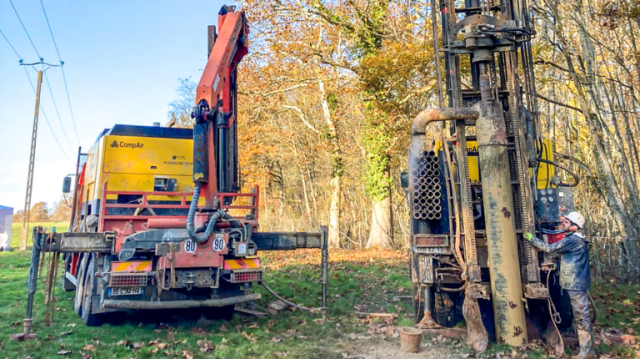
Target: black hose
x,y
571,158
200,237
576,178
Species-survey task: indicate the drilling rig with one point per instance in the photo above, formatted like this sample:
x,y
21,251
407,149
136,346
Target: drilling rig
x,y
480,175
158,219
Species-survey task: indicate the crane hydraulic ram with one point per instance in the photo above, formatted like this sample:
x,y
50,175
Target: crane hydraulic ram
x,y
151,229
480,175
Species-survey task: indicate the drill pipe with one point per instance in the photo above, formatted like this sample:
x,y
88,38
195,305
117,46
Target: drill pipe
x,y
440,114
506,285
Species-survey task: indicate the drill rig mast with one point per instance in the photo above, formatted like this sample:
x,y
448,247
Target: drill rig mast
x,y
475,186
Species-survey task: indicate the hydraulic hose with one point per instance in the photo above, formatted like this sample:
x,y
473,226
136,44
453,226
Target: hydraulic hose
x,y
576,178
200,237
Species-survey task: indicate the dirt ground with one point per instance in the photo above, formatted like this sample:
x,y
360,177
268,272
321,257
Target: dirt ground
x,y
376,348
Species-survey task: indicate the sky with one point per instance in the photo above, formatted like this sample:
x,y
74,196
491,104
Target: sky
x,y
122,61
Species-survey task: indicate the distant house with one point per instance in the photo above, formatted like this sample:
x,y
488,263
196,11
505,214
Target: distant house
x,y
6,217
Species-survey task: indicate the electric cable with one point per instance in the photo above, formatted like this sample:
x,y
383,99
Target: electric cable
x,y
55,106
25,30
48,85
47,119
12,48
64,78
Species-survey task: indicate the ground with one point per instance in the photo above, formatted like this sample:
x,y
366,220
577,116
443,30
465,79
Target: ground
x,y
371,281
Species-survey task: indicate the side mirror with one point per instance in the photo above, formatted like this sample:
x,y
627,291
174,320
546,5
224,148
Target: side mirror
x,y
66,185
404,179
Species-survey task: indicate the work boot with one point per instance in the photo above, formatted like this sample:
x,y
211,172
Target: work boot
x,y
585,338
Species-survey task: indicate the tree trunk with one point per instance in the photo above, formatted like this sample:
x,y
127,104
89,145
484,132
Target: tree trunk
x,y
337,170
380,234
334,212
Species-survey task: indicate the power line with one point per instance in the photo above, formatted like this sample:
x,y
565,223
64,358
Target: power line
x,y
12,48
25,30
47,119
47,79
73,120
51,32
56,108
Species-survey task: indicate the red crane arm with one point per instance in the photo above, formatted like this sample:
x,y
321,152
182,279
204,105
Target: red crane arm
x,y
229,48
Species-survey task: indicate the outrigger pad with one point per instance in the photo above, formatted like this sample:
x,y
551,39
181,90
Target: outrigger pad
x,y
477,336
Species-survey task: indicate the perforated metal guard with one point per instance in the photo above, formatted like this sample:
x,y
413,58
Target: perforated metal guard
x,y
246,276
128,280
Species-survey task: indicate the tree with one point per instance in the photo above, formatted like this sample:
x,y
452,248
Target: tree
x,y
380,46
60,211
39,212
180,112
18,216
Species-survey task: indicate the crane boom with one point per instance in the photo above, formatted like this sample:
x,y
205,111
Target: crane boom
x,y
215,165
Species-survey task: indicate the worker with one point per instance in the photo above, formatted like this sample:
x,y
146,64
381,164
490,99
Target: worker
x,y
575,276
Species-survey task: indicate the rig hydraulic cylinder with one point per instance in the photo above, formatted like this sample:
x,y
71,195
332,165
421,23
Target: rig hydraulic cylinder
x,y
506,285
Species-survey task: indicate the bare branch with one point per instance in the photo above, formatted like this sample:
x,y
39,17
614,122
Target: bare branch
x,y
302,117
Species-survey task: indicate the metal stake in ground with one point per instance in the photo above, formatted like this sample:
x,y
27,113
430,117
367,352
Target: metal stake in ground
x,y
31,284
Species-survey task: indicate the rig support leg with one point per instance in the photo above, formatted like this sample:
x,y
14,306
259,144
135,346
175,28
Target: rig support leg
x,y
427,321
325,268
506,284
32,284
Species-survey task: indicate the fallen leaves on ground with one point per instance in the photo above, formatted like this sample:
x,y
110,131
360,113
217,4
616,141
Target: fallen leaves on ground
x,y
276,260
205,345
124,342
89,347
249,337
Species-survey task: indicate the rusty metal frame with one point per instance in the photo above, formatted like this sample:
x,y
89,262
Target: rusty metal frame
x,y
144,204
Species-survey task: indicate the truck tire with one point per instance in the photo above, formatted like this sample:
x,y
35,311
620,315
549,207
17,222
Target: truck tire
x,y
89,318
77,303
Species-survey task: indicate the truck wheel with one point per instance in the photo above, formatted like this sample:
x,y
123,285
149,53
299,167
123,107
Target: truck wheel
x,y
89,318
77,303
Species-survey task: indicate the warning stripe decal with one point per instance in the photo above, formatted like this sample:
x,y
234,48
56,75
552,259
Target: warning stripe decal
x,y
134,266
251,263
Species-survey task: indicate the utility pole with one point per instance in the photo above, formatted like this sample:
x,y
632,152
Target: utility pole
x,y
32,158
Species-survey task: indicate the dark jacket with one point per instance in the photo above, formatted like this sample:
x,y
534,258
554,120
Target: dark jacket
x,y
574,260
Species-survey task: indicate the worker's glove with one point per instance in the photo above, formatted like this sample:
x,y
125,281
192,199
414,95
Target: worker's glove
x,y
528,236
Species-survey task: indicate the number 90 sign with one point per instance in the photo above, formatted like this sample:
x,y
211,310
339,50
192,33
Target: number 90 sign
x,y
218,244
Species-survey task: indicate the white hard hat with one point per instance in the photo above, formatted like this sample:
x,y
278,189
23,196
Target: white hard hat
x,y
576,218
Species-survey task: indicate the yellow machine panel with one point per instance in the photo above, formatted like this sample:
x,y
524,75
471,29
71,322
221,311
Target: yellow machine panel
x,y
147,155
544,173
135,163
